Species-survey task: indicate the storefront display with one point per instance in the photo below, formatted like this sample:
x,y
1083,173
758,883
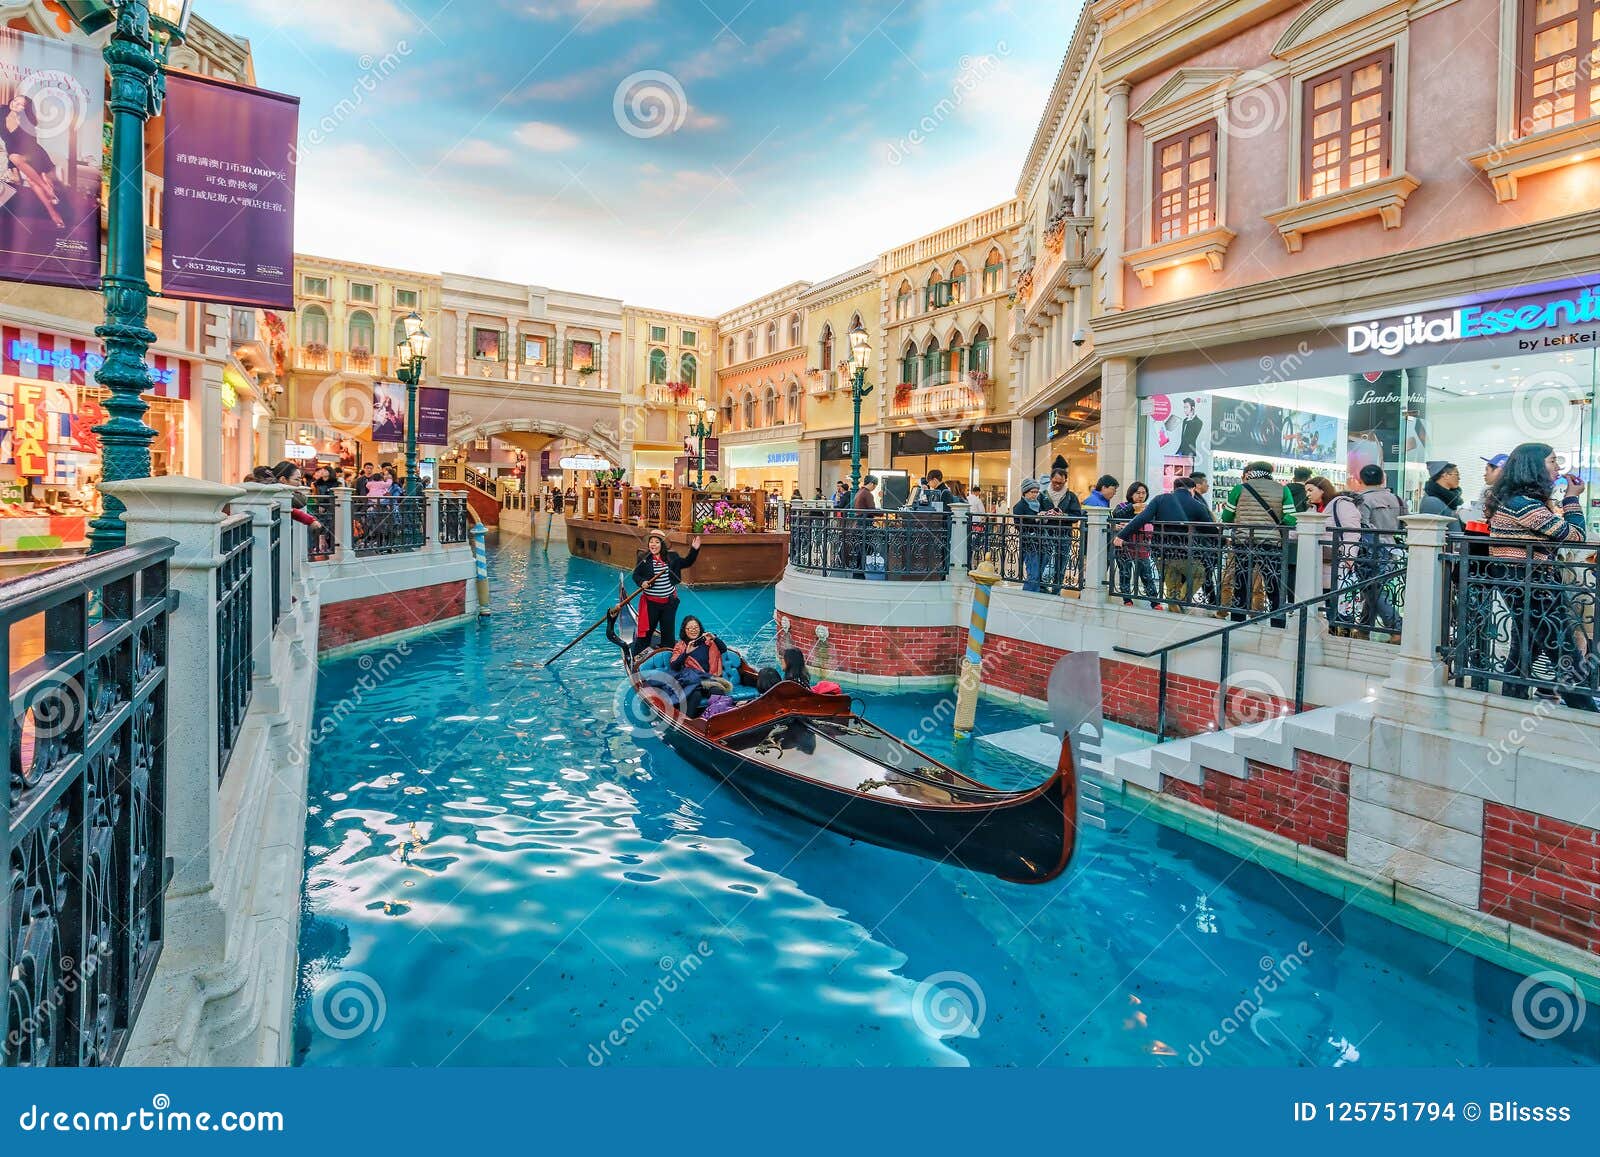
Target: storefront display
x,y
773,466
973,456
1070,431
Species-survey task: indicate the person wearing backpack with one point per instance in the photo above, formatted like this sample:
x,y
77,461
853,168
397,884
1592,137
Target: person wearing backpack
x,y
1379,550
1262,512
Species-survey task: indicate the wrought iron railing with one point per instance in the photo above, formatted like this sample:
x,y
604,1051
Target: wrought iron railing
x,y
1522,617
1372,610
324,541
516,500
865,544
453,519
1041,553
275,555
387,525
234,613
477,478
82,914
1228,567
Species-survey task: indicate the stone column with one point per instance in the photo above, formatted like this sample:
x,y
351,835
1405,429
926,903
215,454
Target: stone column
x,y
960,533
1094,554
343,524
190,512
559,377
430,523
204,460
1308,529
1418,667
1119,424
604,374
1022,453
1114,173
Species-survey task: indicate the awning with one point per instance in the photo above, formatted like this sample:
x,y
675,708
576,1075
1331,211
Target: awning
x,y
50,357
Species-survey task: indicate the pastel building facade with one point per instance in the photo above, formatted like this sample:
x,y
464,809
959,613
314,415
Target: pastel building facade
x,y
759,397
834,309
670,364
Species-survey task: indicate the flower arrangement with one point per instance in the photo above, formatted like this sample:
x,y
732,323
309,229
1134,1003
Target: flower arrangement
x,y
977,378
316,348
585,371
1054,235
903,392
1025,286
680,391
725,518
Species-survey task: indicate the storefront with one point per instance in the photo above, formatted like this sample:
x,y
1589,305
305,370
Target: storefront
x,y
1457,382
655,463
1070,431
770,466
976,456
49,453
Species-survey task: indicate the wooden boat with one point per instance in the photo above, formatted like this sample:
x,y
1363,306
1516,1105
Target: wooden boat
x,y
815,757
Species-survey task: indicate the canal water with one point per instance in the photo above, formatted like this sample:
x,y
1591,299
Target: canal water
x,y
500,871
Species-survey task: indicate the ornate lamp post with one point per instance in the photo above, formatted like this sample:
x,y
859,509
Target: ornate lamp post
x,y
860,355
409,356
701,426
135,55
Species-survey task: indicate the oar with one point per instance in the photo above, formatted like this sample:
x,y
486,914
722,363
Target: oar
x,y
593,627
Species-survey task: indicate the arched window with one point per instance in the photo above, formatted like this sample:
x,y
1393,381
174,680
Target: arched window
x,y
994,271
930,361
794,402
314,326
749,411
399,331
749,344
688,370
772,336
727,412
910,363
952,360
730,351
794,330
902,301
658,367
958,283
978,361
930,291
769,407
825,347
362,334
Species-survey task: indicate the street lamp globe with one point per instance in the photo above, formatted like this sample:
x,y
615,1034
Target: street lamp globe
x,y
700,404
415,334
404,352
860,351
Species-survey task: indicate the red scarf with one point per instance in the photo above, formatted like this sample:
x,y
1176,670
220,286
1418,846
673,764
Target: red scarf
x,y
682,648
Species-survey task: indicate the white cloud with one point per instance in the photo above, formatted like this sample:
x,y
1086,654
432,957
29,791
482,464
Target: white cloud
x,y
702,121
478,152
588,80
590,13
360,25
543,137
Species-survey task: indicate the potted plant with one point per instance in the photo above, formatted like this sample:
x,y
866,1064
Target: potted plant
x,y
903,392
585,371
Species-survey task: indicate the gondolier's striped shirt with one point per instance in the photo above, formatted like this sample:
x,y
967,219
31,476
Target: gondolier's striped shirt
x,y
660,584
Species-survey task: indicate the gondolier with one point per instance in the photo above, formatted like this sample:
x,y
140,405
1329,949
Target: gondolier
x,y
658,573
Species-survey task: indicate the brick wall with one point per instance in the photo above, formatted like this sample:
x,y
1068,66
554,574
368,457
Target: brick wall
x,y
384,614
1308,805
1542,873
864,650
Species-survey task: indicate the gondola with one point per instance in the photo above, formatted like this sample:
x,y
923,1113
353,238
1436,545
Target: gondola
x,y
813,756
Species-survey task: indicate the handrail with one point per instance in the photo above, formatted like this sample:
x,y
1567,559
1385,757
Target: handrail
x,y
1225,633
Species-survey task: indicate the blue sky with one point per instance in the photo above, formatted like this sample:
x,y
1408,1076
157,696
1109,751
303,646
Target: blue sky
x,y
683,154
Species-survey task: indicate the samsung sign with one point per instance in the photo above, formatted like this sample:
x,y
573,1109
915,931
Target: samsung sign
x,y
1395,336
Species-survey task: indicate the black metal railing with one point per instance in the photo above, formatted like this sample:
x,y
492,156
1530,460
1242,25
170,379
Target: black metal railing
x,y
900,546
1372,610
275,554
1302,610
1522,617
478,478
1202,565
1043,553
453,519
324,540
82,915
516,500
235,579
387,525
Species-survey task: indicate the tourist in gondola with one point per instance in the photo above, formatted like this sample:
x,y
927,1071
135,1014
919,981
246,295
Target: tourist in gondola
x,y
697,664
658,573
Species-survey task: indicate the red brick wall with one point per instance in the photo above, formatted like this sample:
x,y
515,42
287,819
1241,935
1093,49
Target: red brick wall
x,y
884,650
1542,873
385,614
1309,805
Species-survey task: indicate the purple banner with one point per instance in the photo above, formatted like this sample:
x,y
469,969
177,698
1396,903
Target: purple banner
x,y
713,454
228,204
53,95
433,416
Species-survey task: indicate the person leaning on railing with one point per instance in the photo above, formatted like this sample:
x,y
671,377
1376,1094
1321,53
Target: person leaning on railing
x,y
1260,508
1527,526
1174,518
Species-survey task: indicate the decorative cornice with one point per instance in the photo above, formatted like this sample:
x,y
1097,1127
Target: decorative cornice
x,y
765,361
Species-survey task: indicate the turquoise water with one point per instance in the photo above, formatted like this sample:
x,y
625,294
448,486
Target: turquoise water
x,y
499,872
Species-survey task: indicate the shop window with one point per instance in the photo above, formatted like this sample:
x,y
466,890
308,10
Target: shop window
x,y
1345,133
314,286
1558,63
686,338
406,298
688,370
363,334
364,292
314,326
1186,182
658,367
658,333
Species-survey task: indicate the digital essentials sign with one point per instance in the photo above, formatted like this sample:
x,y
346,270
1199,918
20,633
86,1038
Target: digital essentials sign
x,y
1396,335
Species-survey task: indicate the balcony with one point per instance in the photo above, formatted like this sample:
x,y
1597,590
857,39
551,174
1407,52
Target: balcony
x,y
969,400
320,359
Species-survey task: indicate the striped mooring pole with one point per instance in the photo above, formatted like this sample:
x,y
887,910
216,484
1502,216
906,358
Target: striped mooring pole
x,y
984,576
480,559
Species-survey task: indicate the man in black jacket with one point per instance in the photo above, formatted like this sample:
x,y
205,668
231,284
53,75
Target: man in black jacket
x,y
1177,547
658,573
1058,501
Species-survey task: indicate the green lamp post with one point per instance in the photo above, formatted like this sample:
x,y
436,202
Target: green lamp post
x,y
860,355
142,33
409,356
701,426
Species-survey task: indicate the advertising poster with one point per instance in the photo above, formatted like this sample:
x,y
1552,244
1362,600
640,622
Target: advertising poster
x,y
433,415
228,203
50,184
1388,418
1178,435
713,454
388,412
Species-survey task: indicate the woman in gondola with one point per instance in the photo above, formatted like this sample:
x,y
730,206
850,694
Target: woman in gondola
x,y
697,665
658,573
